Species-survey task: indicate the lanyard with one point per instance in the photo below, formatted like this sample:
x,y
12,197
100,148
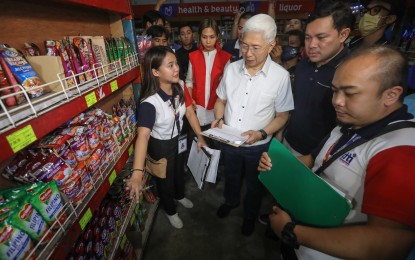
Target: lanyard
x,y
175,106
331,150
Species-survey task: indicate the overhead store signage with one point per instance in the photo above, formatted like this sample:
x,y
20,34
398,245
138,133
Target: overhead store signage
x,y
227,8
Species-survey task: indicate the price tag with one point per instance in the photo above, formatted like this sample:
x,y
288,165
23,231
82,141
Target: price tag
x,y
112,177
114,85
123,241
130,150
85,219
91,99
21,138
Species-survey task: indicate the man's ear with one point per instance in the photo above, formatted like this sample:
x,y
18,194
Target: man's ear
x,y
272,45
392,95
390,19
344,34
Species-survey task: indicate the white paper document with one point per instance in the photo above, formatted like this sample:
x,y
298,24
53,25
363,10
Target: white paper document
x,y
204,164
227,135
205,116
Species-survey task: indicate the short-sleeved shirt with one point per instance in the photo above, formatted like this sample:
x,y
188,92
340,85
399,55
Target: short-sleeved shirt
x,y
252,102
377,175
157,113
314,116
233,48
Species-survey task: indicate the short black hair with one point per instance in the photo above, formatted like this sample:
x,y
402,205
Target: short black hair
x,y
182,25
340,11
396,9
392,66
299,34
152,16
157,31
246,15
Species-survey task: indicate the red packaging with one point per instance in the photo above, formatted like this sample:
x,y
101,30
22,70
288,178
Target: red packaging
x,y
66,62
79,143
72,188
10,101
20,98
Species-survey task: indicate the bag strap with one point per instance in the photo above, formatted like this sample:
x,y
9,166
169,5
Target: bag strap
x,y
387,129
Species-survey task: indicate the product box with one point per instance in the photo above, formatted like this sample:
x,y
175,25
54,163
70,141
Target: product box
x,y
48,68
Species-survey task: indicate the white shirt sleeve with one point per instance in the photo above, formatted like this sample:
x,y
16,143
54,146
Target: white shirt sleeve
x,y
221,90
189,76
284,100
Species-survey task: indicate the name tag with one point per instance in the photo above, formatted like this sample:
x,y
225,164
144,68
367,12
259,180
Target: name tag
x,y
182,143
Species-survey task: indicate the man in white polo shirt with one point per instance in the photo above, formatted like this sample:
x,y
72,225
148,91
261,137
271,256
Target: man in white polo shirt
x,y
254,96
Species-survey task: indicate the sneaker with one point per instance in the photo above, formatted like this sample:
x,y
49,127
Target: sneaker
x,y
175,221
186,203
248,227
264,219
224,210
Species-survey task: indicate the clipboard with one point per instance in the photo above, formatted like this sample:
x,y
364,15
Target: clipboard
x,y
304,195
226,134
198,164
203,165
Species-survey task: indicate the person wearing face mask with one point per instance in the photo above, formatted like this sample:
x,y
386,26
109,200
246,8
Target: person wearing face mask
x,y
378,16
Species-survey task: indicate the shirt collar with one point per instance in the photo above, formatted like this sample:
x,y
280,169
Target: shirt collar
x,y
265,69
163,95
372,129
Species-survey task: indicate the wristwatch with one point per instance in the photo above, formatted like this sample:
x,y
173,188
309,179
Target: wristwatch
x,y
288,236
263,134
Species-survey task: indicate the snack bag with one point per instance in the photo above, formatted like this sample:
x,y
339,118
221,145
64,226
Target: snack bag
x,y
48,202
28,219
31,49
10,81
23,72
81,50
66,62
18,162
14,243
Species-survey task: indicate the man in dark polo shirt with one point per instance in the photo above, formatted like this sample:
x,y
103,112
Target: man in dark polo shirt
x,y
188,45
314,117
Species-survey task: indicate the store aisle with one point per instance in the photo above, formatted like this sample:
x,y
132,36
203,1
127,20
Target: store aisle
x,y
204,236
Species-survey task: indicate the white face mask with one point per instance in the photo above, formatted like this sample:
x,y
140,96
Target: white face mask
x,y
369,23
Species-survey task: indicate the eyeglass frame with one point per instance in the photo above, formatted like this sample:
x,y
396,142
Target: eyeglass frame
x,y
252,48
369,10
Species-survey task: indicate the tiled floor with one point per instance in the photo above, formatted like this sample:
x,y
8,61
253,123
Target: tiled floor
x,y
204,236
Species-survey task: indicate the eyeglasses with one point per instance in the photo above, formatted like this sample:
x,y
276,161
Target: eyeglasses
x,y
254,49
375,10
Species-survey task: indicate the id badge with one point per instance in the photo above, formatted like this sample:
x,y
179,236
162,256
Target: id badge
x,y
182,143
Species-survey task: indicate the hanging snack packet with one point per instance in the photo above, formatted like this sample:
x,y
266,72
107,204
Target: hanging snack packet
x,y
66,62
23,72
81,50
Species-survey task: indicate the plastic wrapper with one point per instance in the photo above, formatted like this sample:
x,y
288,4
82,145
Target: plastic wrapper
x,y
14,243
29,220
143,44
48,202
68,69
31,49
11,80
51,48
23,72
81,50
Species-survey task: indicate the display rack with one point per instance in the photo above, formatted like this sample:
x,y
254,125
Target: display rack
x,y
21,125
77,217
152,209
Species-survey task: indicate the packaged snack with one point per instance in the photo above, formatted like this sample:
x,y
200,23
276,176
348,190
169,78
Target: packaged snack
x,y
94,161
31,49
81,49
29,220
14,243
85,177
72,188
52,48
78,143
76,63
18,162
23,72
48,202
56,169
11,80
68,69
6,208
10,101
95,57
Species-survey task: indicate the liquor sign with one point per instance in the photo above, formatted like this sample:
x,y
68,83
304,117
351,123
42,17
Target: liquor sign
x,y
227,8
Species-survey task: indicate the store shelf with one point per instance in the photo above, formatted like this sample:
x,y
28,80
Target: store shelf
x,y
78,217
147,228
22,125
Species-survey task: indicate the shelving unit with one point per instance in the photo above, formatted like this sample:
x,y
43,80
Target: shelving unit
x,y
20,126
152,209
